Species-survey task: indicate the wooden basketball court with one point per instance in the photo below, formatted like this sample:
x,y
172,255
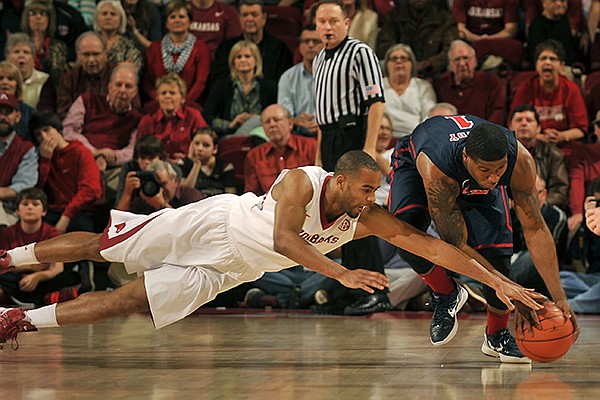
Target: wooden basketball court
x,y
278,355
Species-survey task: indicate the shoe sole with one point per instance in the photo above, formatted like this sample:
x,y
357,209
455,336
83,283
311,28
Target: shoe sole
x,y
463,295
488,351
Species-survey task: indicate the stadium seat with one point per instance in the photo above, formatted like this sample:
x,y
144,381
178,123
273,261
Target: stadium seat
x,y
234,150
511,50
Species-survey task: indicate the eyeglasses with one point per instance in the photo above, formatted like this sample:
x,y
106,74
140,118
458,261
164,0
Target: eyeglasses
x,y
399,58
548,58
33,13
313,41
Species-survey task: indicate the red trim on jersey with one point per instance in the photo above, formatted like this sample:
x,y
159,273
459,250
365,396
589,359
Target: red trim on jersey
x,y
106,242
494,246
506,210
410,207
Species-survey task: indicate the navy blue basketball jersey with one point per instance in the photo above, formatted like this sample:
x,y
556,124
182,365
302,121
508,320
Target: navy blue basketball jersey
x,y
442,139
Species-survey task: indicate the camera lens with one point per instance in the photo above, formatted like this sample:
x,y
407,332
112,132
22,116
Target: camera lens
x,y
150,187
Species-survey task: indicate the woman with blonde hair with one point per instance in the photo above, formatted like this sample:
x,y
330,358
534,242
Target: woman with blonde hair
x,y
232,102
110,22
174,123
11,82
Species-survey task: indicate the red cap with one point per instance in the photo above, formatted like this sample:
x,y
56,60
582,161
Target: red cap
x,y
7,99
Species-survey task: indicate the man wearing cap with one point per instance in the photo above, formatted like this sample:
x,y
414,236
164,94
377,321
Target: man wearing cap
x,y
584,169
18,158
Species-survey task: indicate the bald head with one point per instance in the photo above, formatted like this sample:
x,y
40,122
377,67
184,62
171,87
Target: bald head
x,y
277,124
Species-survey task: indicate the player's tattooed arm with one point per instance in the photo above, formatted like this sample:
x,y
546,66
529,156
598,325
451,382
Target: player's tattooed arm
x,y
449,221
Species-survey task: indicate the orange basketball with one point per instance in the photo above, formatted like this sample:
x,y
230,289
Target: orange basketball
x,y
552,341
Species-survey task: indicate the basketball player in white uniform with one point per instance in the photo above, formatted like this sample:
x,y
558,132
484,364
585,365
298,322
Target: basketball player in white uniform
x,y
186,256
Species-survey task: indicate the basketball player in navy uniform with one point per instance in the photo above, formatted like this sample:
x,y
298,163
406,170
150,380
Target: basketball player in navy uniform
x,y
184,257
458,171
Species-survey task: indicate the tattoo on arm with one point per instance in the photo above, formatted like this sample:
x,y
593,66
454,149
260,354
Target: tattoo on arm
x,y
448,218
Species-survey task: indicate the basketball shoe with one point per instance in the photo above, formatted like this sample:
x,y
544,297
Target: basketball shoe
x,y
444,323
11,323
4,261
502,344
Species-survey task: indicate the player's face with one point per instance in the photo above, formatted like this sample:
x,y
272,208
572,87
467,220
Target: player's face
x,y
252,19
30,210
332,26
359,191
486,173
525,126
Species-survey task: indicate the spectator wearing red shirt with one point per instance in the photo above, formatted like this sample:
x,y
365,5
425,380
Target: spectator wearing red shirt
x,y
282,151
473,92
68,173
34,283
558,101
214,22
486,19
179,51
173,123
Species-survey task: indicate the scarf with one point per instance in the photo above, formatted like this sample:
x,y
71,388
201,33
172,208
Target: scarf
x,y
183,51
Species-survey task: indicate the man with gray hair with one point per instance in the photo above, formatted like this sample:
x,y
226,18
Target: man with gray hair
x,y
107,124
160,175
472,92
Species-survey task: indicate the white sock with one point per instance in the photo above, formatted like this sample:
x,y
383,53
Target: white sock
x,y
44,317
23,255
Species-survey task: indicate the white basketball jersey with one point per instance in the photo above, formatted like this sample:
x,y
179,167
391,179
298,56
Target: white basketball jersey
x,y
251,224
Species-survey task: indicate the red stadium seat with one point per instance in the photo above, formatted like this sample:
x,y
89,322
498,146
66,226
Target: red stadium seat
x,y
515,81
283,22
511,50
234,150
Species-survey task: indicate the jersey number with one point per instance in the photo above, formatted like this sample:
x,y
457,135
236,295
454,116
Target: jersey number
x,y
461,121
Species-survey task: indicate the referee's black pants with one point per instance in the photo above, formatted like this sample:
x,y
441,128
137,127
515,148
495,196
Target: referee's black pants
x,y
362,253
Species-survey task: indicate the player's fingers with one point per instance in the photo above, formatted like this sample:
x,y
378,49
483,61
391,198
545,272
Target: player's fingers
x,y
506,300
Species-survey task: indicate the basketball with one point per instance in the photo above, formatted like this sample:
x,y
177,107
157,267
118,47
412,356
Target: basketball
x,y
551,342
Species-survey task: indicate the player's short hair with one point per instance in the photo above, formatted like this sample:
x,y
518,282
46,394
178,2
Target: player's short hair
x,y
33,193
353,162
524,108
149,146
487,142
43,120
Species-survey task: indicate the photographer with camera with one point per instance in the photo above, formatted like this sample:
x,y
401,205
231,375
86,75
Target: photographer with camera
x,y
154,188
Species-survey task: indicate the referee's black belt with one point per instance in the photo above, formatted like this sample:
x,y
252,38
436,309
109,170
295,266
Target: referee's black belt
x,y
345,122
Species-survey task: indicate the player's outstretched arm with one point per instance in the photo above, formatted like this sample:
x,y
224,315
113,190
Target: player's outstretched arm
x,y
292,194
376,221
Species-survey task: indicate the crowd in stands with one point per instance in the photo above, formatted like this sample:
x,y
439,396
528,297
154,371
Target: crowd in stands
x,y
101,100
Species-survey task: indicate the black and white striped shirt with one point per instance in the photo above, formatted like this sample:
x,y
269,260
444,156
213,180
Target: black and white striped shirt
x,y
347,79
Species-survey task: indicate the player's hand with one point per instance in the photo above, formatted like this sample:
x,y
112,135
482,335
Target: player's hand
x,y
568,311
364,279
526,318
28,283
508,291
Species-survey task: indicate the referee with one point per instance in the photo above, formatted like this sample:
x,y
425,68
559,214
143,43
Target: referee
x,y
348,88
349,101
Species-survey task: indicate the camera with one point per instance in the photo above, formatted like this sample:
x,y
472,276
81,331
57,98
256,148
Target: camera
x,y
149,183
